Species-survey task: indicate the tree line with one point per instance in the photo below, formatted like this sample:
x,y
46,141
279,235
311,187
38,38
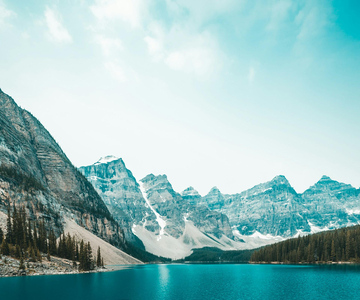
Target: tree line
x,y
340,245
28,239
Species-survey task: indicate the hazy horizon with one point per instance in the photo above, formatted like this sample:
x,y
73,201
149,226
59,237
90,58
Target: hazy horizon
x,y
227,94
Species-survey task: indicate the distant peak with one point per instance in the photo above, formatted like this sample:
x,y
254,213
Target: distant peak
x,y
325,178
151,176
106,159
190,191
214,190
190,188
280,179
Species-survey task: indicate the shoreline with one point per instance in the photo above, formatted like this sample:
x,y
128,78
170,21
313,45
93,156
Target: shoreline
x,y
43,268
9,267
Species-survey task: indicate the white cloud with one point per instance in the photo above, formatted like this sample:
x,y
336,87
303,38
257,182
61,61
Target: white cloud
x,y
108,45
155,47
200,61
4,15
57,32
184,49
127,10
251,75
184,45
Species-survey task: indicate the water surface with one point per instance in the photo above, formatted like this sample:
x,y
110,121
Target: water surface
x,y
192,282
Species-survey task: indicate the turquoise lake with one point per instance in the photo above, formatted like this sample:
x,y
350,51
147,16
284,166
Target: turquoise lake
x,y
192,282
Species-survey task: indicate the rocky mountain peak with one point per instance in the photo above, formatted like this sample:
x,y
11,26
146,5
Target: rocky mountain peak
x,y
280,179
325,180
158,182
155,178
214,191
59,191
107,159
190,191
329,185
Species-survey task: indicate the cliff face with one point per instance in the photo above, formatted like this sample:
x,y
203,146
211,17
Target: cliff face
x,y
35,172
332,204
121,193
167,223
276,209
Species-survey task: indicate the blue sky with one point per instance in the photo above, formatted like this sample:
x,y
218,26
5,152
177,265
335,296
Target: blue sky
x,y
226,93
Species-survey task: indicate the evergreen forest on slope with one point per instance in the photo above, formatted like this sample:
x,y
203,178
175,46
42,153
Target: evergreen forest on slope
x,y
339,245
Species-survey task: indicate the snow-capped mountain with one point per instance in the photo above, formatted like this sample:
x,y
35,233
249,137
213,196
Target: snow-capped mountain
x,y
332,204
170,224
121,194
274,209
166,223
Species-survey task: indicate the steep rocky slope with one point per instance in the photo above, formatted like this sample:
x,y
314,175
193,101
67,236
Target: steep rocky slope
x,y
36,173
267,213
332,204
275,209
166,224
121,193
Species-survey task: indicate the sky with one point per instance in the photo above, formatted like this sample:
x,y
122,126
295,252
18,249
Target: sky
x,y
223,93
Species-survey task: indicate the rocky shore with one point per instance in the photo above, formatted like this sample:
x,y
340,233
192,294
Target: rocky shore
x,y
11,267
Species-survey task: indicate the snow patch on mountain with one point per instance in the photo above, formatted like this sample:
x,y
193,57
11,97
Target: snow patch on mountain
x,y
177,248
106,159
256,239
159,219
353,211
316,229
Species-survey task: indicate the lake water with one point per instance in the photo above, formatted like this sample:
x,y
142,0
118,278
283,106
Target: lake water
x,y
192,282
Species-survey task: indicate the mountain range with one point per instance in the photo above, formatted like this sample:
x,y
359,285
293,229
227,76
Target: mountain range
x,y
172,224
36,173
106,204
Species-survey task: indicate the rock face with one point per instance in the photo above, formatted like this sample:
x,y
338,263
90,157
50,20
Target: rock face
x,y
268,212
332,204
121,194
176,210
191,195
168,224
274,208
36,173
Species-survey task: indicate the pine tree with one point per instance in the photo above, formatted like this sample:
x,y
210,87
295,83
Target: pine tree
x,y
52,243
48,255
5,250
32,254
89,261
333,252
9,231
17,251
82,258
21,266
98,260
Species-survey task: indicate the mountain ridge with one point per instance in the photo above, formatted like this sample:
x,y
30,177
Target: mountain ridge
x,y
55,189
269,211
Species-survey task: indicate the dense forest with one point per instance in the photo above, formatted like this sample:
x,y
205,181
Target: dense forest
x,y
27,240
340,245
215,255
